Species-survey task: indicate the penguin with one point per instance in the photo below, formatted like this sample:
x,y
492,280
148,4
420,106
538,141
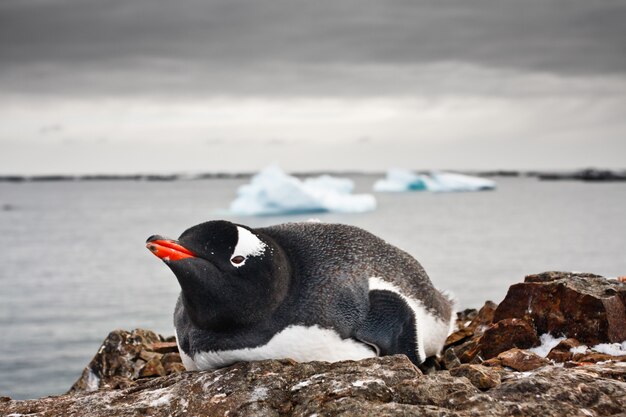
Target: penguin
x,y
306,291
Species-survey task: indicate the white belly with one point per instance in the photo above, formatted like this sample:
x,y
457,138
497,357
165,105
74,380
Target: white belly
x,y
300,343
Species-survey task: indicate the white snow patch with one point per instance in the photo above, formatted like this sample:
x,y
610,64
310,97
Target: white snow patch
x,y
579,349
548,342
613,349
272,192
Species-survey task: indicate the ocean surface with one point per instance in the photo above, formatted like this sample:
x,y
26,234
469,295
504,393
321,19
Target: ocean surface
x,y
74,264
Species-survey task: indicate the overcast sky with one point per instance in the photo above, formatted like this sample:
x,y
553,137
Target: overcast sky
x,y
100,86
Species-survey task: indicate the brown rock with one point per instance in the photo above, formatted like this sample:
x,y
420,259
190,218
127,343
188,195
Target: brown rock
x,y
387,386
118,362
485,316
458,336
171,358
593,357
586,307
480,376
147,356
152,368
493,362
174,368
477,322
164,347
522,360
467,351
562,351
507,334
450,359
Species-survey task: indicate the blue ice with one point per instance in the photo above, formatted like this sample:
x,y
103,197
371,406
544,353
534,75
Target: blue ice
x,y
272,192
400,180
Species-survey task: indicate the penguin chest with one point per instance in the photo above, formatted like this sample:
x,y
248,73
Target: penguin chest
x,y
301,343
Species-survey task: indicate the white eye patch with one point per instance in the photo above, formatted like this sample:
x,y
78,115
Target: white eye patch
x,y
247,245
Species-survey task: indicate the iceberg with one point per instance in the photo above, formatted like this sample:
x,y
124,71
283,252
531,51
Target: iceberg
x,y
272,192
399,180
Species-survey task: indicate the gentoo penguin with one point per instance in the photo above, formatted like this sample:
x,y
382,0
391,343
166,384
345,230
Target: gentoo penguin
x,y
306,291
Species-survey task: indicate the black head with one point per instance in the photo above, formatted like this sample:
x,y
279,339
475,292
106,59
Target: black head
x,y
230,275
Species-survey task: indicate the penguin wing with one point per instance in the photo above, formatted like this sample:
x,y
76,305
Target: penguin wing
x,y
389,326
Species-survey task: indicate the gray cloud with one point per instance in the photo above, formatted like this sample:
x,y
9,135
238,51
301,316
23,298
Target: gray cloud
x,y
297,47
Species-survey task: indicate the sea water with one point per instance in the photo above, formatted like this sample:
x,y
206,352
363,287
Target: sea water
x,y
74,264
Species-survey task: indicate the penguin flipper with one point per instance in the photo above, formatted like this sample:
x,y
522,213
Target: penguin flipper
x,y
390,325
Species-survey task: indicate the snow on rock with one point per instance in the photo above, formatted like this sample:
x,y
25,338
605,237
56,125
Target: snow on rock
x,y
613,349
548,342
399,180
272,192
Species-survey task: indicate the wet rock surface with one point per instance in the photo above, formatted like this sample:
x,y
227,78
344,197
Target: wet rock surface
x,y
485,369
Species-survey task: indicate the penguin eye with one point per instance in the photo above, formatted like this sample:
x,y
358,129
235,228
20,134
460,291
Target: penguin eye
x,y
237,259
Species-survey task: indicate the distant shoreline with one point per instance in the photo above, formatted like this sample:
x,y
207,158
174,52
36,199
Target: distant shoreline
x,y
590,174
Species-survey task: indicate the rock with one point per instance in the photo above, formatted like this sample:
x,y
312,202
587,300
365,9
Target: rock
x,y
562,352
389,386
471,323
449,359
125,377
593,357
173,368
480,376
467,351
147,355
152,368
507,334
586,307
172,357
493,362
125,357
164,347
522,360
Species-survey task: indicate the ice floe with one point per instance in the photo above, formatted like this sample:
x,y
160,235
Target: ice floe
x,y
400,180
272,192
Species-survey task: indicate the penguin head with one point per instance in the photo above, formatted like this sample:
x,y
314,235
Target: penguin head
x,y
230,275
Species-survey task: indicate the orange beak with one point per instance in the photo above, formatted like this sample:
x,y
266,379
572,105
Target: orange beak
x,y
168,250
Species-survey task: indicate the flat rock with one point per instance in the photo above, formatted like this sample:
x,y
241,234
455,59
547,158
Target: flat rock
x,y
387,386
522,360
480,376
587,307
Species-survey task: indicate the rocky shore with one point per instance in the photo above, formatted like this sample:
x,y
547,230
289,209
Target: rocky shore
x,y
555,346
